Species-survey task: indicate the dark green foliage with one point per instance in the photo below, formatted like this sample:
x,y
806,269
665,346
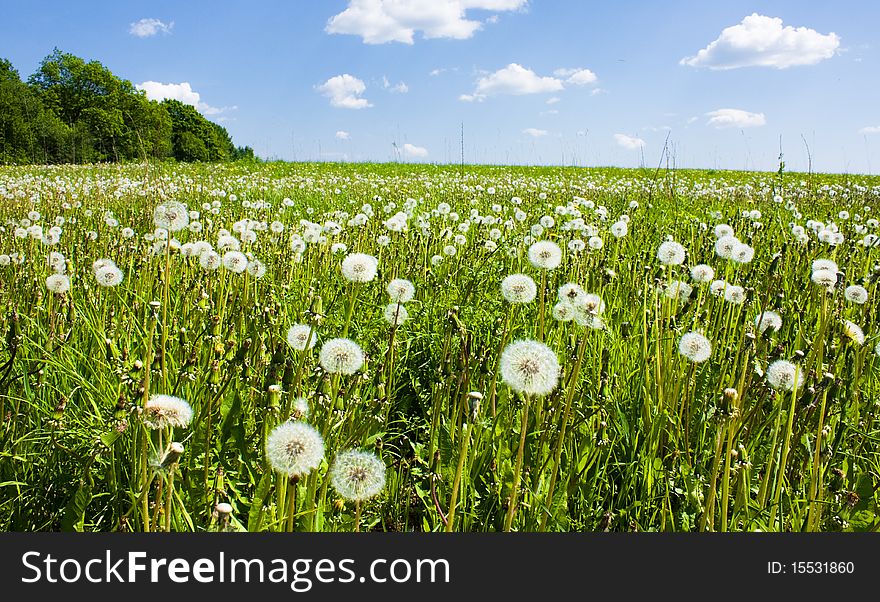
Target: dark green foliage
x,y
73,111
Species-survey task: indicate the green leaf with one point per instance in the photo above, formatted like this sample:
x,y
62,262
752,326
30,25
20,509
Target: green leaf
x,y
75,510
255,515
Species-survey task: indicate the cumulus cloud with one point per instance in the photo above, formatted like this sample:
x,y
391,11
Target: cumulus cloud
x,y
400,88
344,91
577,76
553,100
518,80
383,21
182,92
343,135
871,129
513,79
146,28
411,150
725,118
629,142
760,41
534,132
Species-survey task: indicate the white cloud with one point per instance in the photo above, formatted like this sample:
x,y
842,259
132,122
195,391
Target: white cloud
x,y
343,135
577,76
146,28
760,41
629,142
344,91
383,21
400,88
871,129
414,151
534,132
513,79
724,118
182,92
553,100
598,91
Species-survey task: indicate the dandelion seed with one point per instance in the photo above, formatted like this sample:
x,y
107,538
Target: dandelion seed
x,y
695,347
671,253
784,375
856,294
256,268
395,314
679,289
725,245
58,283
825,278
593,304
357,475
401,290
210,260
717,287
294,448
172,216
545,255
341,356
529,368
742,253
768,320
519,288
723,231
853,332
162,411
301,337
619,229
109,275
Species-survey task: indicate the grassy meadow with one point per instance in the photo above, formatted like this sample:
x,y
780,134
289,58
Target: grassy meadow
x,y
341,347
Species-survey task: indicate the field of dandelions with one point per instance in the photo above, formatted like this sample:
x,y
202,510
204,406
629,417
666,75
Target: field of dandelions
x,y
416,348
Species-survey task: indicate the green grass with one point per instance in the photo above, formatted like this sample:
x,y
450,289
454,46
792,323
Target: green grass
x,y
635,437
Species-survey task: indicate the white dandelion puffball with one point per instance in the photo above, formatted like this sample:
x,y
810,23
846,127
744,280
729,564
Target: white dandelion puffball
x,y
171,216
671,253
768,320
519,288
877,348
545,255
725,245
161,411
853,332
395,314
529,368
359,267
300,407
735,294
595,243
723,230
702,273
856,294
401,290
824,264
783,375
357,475
742,253
301,337
108,275
825,278
717,287
619,229
210,260
695,347
678,289
341,356
294,448
593,304
58,283
256,268
563,311
235,261
572,293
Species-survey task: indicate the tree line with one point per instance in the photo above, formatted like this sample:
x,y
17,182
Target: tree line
x,y
73,111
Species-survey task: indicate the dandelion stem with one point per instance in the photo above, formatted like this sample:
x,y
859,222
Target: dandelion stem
x,y
514,493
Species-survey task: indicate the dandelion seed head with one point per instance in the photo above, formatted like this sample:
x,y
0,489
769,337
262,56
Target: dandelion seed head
x,y
357,475
824,278
678,289
301,337
401,290
702,273
572,293
725,245
294,448
359,267
529,368
671,253
856,294
519,288
341,356
768,320
545,254
695,347
58,283
162,411
853,332
395,314
563,311
784,375
235,261
735,294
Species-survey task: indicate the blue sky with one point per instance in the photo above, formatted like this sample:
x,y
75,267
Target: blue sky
x,y
322,80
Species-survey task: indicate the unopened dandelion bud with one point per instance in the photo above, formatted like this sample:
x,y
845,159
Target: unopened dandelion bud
x,y
215,373
274,396
380,391
317,307
58,413
172,455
